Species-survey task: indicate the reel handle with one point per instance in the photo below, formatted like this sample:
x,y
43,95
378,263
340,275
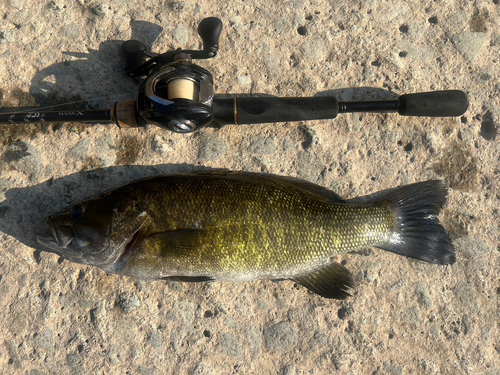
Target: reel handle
x,y
209,30
134,53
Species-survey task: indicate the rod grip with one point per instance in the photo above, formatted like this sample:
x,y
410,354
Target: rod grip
x,y
264,110
124,114
448,103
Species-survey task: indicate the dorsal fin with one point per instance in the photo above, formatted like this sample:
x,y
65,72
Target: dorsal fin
x,y
317,190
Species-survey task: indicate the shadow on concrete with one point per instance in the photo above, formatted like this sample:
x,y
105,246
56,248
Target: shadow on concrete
x,y
96,80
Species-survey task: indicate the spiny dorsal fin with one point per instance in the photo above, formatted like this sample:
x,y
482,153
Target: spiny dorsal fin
x,y
330,281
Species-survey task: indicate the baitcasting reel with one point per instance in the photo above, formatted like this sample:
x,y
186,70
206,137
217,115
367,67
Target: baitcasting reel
x,y
178,95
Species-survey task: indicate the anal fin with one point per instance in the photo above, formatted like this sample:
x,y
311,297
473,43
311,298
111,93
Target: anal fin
x,y
189,279
330,281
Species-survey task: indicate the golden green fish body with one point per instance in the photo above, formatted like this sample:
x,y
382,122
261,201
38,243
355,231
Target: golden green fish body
x,y
237,228
242,226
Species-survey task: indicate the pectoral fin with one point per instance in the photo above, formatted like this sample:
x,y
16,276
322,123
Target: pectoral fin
x,y
176,242
331,281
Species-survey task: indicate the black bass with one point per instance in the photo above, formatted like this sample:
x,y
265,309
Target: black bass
x,y
232,226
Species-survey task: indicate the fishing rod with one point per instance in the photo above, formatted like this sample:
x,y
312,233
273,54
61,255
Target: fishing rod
x,y
178,95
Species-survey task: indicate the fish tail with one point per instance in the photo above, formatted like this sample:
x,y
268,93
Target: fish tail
x,y
417,232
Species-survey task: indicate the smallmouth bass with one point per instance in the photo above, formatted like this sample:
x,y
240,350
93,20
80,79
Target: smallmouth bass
x,y
232,226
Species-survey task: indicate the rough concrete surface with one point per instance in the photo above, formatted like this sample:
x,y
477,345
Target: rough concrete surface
x,y
404,317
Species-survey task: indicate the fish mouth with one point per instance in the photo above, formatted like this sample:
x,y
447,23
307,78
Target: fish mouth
x,y
48,241
61,235
59,239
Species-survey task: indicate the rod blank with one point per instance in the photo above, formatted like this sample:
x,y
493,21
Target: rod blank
x,y
33,117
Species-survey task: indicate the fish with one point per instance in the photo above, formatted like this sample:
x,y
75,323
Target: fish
x,y
240,226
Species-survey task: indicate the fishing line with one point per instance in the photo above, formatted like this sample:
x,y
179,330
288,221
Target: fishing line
x,y
34,109
130,95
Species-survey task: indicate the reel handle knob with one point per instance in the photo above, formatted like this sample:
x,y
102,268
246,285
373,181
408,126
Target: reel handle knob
x,y
134,53
209,30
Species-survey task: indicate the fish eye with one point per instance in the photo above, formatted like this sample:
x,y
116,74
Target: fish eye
x,y
76,211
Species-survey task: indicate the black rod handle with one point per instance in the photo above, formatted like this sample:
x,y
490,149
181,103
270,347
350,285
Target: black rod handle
x,y
258,110
448,103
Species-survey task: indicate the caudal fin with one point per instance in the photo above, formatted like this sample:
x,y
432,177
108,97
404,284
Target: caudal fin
x,y
417,232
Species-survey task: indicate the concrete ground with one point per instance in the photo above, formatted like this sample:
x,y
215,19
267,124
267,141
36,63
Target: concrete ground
x,y
404,317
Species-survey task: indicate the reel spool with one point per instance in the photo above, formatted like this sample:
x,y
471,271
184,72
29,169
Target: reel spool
x,y
180,88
